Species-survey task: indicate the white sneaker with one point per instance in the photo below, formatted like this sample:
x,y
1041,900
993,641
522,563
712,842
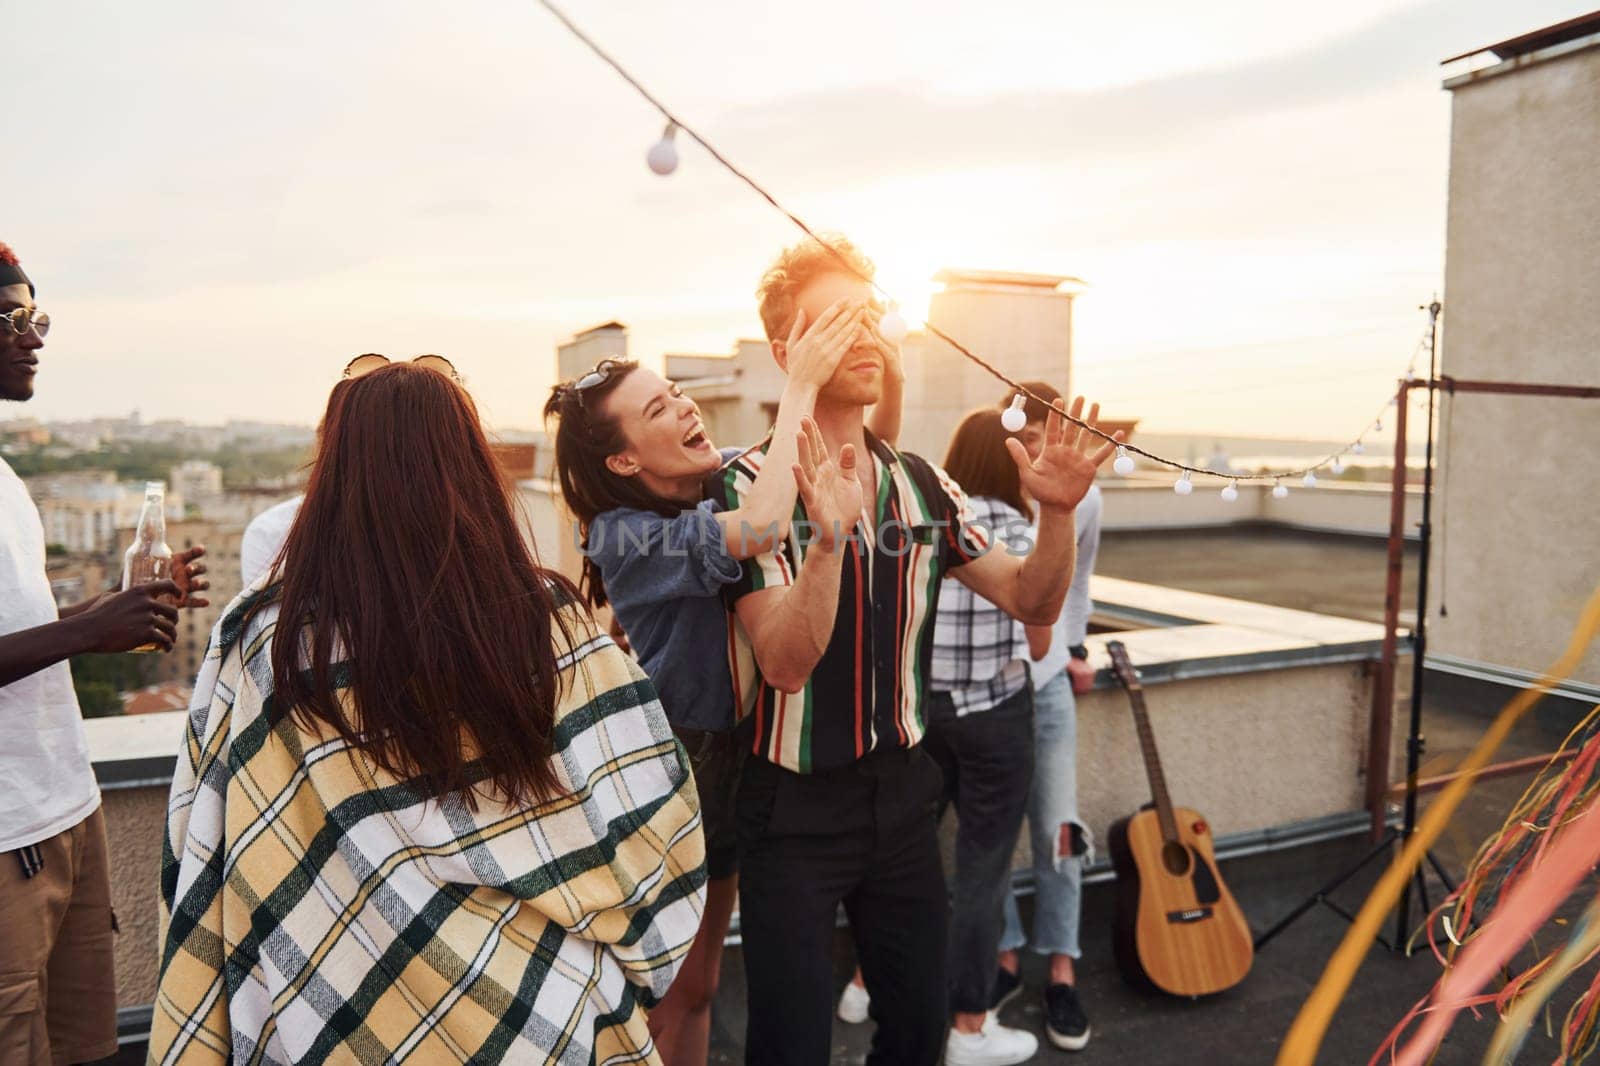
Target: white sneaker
x,y
995,1045
853,1004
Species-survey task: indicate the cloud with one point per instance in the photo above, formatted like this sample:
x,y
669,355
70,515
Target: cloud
x,y
890,129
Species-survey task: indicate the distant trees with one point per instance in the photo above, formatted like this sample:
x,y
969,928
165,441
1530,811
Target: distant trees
x,y
100,681
242,463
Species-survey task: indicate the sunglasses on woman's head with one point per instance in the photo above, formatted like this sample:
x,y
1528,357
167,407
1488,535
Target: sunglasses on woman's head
x,y
366,364
599,375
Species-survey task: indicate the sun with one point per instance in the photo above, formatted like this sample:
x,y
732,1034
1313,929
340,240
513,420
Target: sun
x,y
909,282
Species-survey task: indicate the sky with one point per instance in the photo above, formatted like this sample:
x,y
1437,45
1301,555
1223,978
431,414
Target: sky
x,y
221,203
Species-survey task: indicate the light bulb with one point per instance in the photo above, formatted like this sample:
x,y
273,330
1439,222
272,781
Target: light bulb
x,y
1279,491
1230,492
1014,417
1310,480
1393,400
892,327
663,155
1123,464
1377,427
1183,486
1357,448
1337,467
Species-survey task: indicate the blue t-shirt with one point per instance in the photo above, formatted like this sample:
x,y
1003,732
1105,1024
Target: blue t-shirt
x,y
664,577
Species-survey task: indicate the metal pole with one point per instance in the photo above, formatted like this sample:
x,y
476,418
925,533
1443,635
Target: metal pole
x,y
1380,731
1419,642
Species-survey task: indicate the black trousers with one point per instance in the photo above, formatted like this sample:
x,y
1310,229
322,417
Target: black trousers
x,y
987,759
863,836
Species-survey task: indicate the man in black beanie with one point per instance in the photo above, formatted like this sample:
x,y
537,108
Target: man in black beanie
x,y
22,330
58,997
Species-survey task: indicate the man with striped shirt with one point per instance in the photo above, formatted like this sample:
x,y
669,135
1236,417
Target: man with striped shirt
x,y
838,804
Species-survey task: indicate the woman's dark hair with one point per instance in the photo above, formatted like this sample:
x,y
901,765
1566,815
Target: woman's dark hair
x,y
406,572
979,463
585,438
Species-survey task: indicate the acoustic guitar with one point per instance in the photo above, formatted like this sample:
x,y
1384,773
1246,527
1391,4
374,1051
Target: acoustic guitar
x,y
1178,929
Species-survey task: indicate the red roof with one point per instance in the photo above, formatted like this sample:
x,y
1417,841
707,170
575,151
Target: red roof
x,y
167,696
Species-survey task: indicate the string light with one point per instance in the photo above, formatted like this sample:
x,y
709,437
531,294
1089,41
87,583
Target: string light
x,y
1337,467
663,159
1230,492
663,155
1310,480
1377,426
1183,486
1014,417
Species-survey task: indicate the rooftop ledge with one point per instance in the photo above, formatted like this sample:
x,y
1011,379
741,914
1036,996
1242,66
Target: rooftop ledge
x,y
1173,636
1541,46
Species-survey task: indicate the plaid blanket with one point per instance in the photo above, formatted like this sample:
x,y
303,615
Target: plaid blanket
x,y
316,910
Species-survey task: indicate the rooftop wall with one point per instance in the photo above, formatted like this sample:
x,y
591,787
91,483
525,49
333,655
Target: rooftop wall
x,y
1518,475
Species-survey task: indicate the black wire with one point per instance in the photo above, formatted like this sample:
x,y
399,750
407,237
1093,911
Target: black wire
x,y
849,267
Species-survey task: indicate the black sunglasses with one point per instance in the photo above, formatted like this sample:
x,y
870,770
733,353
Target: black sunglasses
x,y
603,371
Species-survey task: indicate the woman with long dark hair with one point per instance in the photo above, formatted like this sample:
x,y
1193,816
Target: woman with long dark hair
x,y
632,453
426,811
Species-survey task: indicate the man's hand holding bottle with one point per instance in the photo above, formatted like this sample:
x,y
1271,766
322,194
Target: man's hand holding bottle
x,y
123,621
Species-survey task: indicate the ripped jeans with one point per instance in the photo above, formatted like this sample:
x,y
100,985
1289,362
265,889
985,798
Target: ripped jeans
x,y
1062,846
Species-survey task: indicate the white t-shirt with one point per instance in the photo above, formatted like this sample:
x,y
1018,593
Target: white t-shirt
x,y
263,538
47,784
1073,624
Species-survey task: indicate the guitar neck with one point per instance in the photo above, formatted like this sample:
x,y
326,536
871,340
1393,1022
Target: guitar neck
x,y
1152,765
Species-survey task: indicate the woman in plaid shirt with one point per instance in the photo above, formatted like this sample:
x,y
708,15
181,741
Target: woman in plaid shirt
x,y
980,731
425,811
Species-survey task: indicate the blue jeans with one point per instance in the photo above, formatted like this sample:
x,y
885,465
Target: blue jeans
x,y
1061,843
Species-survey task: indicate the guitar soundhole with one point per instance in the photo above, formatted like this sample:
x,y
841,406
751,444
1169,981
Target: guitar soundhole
x,y
1175,857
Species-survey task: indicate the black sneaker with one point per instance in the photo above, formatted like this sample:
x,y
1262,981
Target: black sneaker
x,y
1065,1023
1007,986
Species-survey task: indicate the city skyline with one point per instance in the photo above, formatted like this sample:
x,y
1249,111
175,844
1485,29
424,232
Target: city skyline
x,y
222,207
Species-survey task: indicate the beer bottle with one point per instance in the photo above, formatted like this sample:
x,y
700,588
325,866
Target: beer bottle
x,y
148,558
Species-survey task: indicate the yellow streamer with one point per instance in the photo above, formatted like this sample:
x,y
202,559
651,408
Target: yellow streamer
x,y
1311,1025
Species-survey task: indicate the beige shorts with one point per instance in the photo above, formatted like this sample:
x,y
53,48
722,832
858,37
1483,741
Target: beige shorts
x,y
58,989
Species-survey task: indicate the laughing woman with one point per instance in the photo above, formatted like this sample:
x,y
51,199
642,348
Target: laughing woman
x,y
425,811
631,454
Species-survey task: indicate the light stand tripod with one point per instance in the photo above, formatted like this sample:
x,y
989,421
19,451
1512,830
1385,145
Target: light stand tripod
x,y
1415,743
1419,652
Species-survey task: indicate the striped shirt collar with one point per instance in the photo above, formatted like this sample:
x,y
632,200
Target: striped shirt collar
x,y
866,693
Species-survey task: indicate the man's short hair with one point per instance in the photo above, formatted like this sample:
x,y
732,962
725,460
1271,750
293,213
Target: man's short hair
x,y
1032,408
795,268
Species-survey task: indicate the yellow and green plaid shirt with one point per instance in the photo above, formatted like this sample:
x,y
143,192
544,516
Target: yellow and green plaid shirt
x,y
317,910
